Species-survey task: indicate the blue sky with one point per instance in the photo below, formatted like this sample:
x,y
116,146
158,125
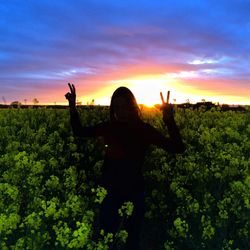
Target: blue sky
x,y
199,49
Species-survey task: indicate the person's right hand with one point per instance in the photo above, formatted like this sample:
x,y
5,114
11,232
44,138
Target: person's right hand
x,y
71,96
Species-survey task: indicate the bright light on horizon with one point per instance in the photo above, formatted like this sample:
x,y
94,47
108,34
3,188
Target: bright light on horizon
x,y
147,88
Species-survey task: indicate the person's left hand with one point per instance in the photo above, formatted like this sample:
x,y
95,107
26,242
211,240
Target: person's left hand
x,y
167,108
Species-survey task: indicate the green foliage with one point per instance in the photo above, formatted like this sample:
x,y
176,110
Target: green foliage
x,y
45,200
49,197
126,209
100,192
201,198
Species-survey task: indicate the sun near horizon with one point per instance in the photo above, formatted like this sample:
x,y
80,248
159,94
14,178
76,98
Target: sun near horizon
x,y
147,88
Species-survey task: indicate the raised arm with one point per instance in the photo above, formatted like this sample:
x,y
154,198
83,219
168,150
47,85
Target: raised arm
x,y
74,116
78,129
174,143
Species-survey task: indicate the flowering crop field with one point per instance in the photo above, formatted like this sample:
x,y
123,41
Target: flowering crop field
x,y
197,200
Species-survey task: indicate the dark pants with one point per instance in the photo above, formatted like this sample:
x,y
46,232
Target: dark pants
x,y
110,219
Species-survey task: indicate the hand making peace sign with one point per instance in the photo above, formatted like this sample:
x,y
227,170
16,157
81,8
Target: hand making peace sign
x,y
71,96
167,108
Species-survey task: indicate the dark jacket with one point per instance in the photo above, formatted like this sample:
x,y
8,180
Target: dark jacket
x,y
125,148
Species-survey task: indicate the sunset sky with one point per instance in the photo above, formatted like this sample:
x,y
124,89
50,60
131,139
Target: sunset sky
x,y
196,49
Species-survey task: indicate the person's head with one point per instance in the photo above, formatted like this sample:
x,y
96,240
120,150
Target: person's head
x,y
123,106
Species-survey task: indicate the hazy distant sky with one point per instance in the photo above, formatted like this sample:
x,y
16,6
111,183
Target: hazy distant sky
x,y
196,49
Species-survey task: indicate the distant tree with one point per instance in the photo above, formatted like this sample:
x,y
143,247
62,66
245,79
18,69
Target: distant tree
x,y
78,103
35,101
25,101
187,101
16,104
92,103
203,100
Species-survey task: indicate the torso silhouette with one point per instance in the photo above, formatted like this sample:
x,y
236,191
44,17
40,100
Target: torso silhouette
x,y
125,151
126,144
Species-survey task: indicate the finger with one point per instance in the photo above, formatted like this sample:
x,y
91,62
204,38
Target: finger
x,y
74,89
71,89
168,97
162,99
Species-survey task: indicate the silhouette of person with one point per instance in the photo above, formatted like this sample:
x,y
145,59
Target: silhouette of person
x,y
126,138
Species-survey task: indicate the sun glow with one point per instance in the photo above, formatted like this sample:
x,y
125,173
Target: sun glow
x,y
147,88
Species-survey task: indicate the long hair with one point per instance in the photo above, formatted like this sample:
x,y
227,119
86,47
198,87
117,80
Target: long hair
x,y
128,95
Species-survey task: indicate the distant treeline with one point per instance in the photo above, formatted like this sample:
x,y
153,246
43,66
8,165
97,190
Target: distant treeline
x,y
205,105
